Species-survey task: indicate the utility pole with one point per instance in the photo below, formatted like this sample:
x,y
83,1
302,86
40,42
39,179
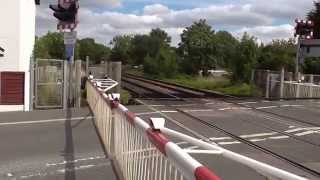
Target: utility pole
x,y
66,11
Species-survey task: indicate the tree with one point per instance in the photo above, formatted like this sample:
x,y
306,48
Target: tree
x,y
158,39
312,65
314,15
246,58
226,48
164,64
50,46
121,48
278,54
140,49
197,48
97,52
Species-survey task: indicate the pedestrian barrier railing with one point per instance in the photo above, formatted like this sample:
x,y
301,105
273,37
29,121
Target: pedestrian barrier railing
x,y
142,151
300,90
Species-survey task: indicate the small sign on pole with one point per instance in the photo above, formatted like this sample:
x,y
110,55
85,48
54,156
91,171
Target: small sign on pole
x,y
70,38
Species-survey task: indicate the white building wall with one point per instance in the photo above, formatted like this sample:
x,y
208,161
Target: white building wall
x,y
27,40
17,36
9,34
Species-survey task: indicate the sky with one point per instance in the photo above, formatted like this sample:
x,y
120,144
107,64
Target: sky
x,y
104,19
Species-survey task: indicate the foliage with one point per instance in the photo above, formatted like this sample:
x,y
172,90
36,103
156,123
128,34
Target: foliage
x,y
197,48
139,49
226,48
97,52
50,46
312,66
164,64
246,58
125,97
278,54
314,15
121,49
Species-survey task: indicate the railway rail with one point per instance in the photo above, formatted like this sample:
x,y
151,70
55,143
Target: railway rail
x,y
180,92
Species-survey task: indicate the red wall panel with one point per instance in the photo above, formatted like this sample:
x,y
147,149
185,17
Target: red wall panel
x,y
12,88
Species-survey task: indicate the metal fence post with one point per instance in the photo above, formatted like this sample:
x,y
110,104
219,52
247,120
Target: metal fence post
x,y
252,76
281,83
32,84
78,84
87,65
65,85
268,84
311,86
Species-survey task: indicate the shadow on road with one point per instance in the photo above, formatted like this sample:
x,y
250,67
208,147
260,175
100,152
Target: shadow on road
x,y
69,148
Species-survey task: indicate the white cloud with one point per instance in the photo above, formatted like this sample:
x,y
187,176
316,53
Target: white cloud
x,y
264,19
156,9
267,33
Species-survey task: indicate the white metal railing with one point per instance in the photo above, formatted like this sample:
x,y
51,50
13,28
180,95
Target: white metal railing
x,y
142,151
139,151
301,90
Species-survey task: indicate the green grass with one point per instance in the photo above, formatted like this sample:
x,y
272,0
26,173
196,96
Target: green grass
x,y
125,97
219,84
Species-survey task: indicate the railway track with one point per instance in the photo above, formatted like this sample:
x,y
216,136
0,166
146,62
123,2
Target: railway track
x,y
180,90
211,94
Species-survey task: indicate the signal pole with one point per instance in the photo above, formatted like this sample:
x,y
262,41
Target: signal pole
x,y
303,30
66,11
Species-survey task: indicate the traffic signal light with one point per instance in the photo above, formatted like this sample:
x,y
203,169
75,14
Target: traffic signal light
x,y
66,12
304,29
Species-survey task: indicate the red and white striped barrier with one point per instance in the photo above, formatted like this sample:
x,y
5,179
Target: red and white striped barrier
x,y
141,151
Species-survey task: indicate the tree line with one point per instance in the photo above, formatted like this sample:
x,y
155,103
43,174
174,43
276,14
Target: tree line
x,y
201,49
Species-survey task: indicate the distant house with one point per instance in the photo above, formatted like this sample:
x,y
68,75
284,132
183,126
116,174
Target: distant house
x,y
17,35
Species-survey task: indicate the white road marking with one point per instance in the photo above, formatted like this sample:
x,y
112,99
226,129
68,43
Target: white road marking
x,y
258,135
199,110
169,111
147,113
301,129
307,133
293,105
59,171
279,137
45,121
157,105
267,107
243,103
228,143
234,108
75,161
258,140
219,138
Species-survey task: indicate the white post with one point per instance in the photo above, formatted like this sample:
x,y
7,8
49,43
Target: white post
x,y
268,84
298,90
281,83
311,86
